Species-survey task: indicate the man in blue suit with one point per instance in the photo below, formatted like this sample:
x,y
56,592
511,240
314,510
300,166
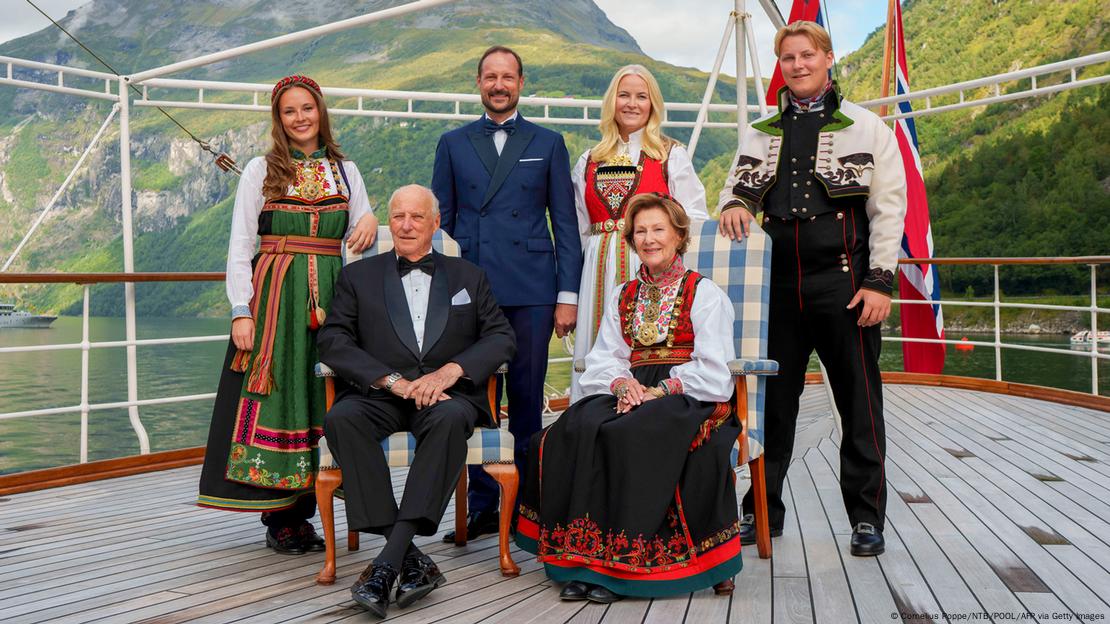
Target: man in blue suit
x,y
497,179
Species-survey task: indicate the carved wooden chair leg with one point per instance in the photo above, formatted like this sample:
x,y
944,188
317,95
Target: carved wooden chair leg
x,y
762,519
352,540
326,483
460,509
507,477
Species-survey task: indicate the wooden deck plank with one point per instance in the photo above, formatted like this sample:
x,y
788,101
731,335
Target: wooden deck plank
x,y
751,601
968,505
828,587
919,577
1002,544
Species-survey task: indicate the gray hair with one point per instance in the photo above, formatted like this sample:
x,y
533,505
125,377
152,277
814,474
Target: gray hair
x,y
427,192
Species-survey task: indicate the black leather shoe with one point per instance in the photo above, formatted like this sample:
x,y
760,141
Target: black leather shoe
x,y
310,540
600,594
478,524
747,530
373,587
284,541
574,590
419,576
867,541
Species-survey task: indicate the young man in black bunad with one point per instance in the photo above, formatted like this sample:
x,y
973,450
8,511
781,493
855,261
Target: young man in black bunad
x,y
828,177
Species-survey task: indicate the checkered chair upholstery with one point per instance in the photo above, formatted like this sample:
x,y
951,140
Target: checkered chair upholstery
x,y
743,270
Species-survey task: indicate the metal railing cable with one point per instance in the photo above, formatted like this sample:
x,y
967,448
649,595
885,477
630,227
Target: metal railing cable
x,y
221,159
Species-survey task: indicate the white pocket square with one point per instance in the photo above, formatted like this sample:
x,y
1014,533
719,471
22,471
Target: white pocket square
x,y
531,160
461,298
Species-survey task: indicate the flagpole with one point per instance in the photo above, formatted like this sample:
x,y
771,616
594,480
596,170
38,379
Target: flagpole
x,y
888,43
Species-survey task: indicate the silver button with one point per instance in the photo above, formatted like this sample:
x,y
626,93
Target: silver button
x,y
840,215
793,210
795,172
812,158
796,160
821,115
795,117
813,218
811,170
795,185
807,195
844,269
844,262
809,182
804,210
843,256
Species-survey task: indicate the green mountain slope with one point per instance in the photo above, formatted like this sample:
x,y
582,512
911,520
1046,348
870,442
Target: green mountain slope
x,y
1026,178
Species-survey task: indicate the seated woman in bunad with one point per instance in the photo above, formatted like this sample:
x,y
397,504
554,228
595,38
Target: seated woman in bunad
x,y
634,156
302,199
631,492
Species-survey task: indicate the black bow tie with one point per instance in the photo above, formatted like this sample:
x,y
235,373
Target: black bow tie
x,y
491,126
425,264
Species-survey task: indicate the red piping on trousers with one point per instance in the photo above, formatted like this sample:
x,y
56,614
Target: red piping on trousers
x,y
798,257
863,364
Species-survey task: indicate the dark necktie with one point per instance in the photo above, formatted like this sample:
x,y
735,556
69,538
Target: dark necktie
x,y
425,264
490,126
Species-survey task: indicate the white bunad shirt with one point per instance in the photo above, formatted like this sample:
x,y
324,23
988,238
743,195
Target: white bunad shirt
x,y
243,243
705,377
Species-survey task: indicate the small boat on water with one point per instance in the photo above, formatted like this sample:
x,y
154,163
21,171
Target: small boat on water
x,y
10,317
1083,338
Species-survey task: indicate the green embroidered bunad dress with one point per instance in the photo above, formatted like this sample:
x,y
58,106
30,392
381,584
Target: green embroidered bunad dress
x,y
269,409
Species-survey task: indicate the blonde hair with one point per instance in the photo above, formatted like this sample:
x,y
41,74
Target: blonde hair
x,y
676,214
654,144
818,36
279,163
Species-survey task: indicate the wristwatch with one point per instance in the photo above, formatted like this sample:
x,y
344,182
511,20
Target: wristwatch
x,y
392,379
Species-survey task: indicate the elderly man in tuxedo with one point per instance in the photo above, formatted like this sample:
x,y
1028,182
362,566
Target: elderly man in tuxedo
x,y
414,337
498,179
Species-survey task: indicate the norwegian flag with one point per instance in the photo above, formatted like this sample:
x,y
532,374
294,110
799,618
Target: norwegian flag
x,y
915,281
809,10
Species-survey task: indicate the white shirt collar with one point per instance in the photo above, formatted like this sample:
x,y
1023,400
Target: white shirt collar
x,y
516,113
635,139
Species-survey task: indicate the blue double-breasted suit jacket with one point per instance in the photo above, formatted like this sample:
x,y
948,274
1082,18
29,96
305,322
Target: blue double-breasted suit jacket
x,y
497,209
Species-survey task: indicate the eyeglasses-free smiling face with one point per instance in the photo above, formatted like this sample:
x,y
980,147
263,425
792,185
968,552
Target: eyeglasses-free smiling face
x,y
805,68
300,118
500,83
655,239
633,105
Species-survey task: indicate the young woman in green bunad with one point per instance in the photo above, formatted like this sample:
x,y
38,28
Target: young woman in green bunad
x,y
293,209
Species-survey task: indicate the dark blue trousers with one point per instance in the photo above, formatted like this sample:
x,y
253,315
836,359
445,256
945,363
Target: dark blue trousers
x,y
523,387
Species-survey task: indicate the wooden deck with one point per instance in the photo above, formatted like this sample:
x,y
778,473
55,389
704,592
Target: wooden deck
x,y
978,528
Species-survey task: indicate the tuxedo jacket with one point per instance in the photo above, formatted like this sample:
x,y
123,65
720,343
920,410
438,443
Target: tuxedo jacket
x,y
497,208
368,333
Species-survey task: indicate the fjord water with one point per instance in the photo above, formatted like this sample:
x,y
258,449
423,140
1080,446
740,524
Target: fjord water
x,y
53,379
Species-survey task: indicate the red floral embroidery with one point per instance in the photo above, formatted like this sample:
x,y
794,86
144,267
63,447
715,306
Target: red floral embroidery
x,y
583,539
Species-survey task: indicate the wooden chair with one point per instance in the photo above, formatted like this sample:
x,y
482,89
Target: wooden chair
x,y
743,270
490,448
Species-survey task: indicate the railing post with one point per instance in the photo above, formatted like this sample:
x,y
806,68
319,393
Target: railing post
x,y
85,378
997,328
741,14
1094,329
129,265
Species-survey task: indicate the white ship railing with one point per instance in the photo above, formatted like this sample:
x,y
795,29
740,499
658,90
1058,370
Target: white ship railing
x,y
86,345
26,74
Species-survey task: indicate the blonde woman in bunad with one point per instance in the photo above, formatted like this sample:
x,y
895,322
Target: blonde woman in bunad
x,y
633,156
294,206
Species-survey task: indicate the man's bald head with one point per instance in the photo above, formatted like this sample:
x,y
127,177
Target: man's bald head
x,y
413,194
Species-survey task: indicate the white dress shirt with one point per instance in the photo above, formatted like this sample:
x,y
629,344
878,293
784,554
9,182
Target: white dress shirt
x,y
501,137
417,284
